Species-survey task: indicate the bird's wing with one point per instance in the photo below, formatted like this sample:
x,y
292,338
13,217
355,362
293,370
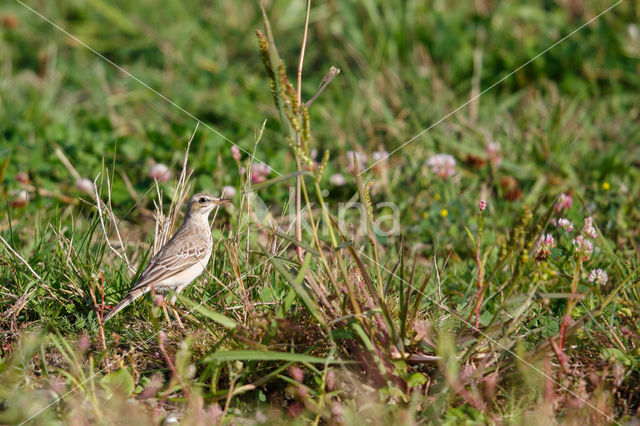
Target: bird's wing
x,y
176,256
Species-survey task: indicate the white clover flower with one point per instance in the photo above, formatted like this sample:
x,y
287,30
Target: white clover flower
x,y
583,246
259,172
361,158
379,156
21,199
160,172
588,229
228,191
85,185
493,151
598,276
443,165
564,224
545,244
337,180
235,153
564,202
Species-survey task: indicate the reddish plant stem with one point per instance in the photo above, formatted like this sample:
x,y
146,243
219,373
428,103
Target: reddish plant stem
x,y
101,311
172,367
99,307
558,347
562,357
480,292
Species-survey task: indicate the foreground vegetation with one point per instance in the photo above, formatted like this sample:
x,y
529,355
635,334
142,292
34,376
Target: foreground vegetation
x,y
484,272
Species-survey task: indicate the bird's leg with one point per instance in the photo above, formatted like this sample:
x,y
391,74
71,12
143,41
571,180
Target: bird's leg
x,y
166,314
175,313
159,301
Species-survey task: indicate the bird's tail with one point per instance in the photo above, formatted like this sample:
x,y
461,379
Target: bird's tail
x,y
132,296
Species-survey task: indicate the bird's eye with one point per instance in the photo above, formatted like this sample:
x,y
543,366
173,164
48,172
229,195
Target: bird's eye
x,y
202,200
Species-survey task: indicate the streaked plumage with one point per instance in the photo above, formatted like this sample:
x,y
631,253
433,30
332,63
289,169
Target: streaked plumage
x,y
182,259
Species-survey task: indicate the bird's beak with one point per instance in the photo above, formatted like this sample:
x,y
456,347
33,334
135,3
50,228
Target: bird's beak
x,y
221,201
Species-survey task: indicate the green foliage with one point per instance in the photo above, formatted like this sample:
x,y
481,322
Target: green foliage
x,y
339,322
118,383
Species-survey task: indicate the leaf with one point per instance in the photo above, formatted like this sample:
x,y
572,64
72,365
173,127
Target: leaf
x,y
115,16
118,383
382,304
312,307
369,345
416,379
266,356
342,245
288,301
267,183
303,269
473,240
618,355
207,312
292,240
267,294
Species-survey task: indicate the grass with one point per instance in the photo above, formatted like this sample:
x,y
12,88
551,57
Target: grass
x,y
457,316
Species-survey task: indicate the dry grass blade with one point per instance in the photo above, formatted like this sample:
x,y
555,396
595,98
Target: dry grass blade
x,y
12,251
165,225
100,205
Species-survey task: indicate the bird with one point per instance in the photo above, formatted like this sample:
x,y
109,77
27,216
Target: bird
x,y
182,259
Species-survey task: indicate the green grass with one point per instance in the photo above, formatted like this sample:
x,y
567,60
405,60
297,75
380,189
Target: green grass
x,y
368,327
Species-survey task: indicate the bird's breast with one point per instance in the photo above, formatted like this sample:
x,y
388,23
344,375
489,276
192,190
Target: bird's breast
x,y
179,281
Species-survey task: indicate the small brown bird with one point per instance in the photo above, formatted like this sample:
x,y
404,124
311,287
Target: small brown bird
x,y
182,259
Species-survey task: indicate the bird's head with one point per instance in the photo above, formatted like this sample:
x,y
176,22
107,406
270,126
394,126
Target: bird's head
x,y
202,204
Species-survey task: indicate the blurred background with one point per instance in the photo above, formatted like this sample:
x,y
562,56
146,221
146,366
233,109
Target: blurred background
x,y
404,64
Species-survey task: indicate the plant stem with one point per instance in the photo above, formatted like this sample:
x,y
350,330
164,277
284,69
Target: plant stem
x,y
299,136
480,291
571,302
